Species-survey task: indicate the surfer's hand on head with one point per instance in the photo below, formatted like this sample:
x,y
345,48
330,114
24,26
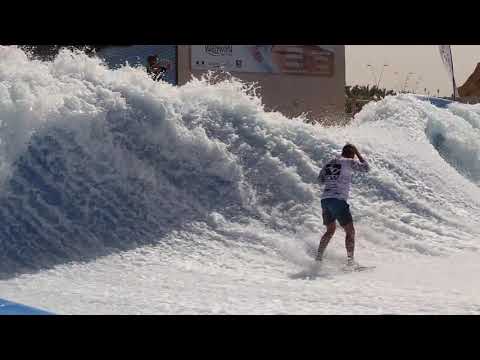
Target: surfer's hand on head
x,y
355,151
353,147
358,154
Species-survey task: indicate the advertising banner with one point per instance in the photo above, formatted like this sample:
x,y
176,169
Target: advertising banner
x,y
315,60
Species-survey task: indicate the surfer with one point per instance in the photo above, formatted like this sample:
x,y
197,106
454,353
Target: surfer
x,y
336,175
156,70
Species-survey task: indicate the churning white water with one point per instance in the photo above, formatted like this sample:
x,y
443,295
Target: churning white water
x,y
123,195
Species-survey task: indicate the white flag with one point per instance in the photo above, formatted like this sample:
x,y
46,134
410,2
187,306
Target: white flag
x,y
446,54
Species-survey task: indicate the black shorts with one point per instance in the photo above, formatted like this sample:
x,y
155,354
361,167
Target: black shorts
x,y
336,209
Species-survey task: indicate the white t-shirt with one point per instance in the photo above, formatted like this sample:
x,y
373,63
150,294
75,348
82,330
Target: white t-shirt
x,y
336,175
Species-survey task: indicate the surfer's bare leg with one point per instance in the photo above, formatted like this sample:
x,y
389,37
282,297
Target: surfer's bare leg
x,y
349,240
325,240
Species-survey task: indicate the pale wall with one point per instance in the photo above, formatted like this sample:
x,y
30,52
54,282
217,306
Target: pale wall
x,y
289,94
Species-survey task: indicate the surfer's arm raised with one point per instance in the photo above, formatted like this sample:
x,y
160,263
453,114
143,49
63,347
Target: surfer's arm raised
x,y
362,165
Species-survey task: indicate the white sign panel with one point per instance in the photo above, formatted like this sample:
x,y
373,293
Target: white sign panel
x,y
318,60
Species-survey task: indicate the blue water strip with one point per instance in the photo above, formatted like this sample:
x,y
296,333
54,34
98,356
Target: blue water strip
x,y
11,308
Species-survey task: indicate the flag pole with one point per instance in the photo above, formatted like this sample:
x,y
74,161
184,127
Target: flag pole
x,y
453,76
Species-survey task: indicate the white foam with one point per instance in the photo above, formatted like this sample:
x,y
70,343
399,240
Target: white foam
x,y
244,180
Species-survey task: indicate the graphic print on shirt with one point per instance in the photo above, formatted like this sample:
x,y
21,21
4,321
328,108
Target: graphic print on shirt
x,y
332,171
337,176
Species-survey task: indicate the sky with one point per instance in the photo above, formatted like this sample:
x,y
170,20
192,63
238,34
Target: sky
x,y
422,60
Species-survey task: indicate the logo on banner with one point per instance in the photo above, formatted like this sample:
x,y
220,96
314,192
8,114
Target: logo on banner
x,y
219,50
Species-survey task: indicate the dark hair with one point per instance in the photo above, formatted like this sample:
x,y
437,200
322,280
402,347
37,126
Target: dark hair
x,y
151,58
348,150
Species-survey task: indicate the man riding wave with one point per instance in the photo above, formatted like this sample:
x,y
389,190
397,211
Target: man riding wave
x,y
336,175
